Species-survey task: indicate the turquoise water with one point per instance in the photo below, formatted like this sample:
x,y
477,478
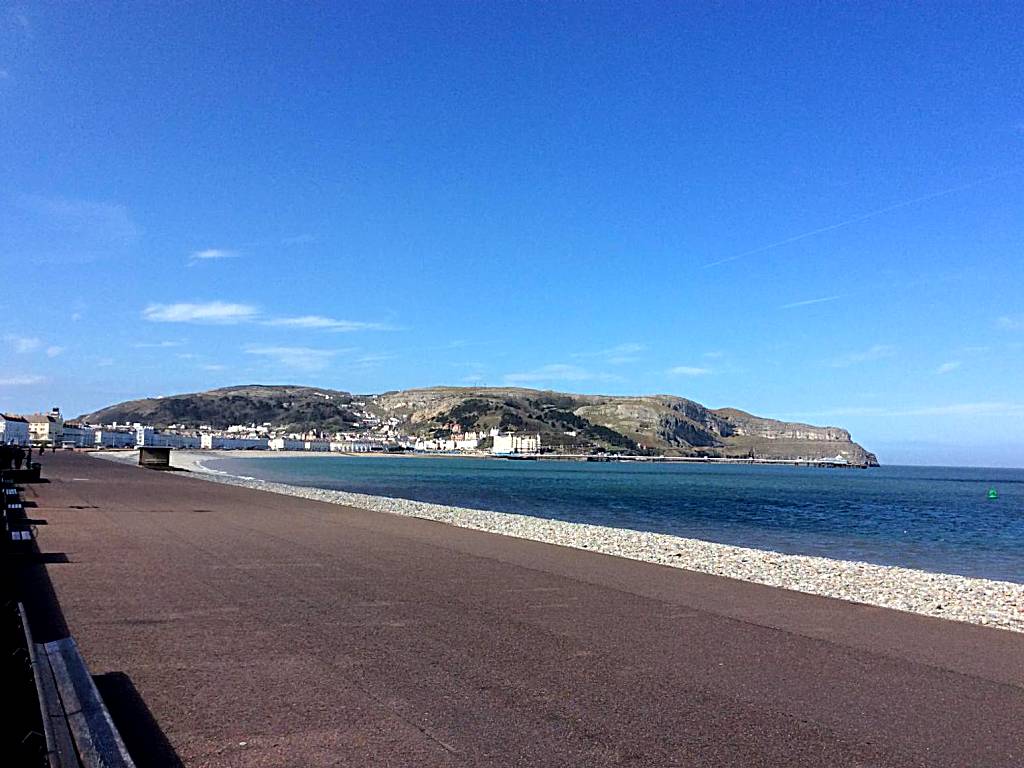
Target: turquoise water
x,y
932,518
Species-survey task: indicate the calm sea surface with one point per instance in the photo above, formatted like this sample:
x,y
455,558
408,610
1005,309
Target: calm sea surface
x,y
932,518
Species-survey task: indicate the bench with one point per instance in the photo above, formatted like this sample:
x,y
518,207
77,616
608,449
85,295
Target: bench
x,y
77,728
17,527
31,474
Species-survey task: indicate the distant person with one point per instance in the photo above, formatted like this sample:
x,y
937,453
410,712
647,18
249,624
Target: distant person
x,y
19,456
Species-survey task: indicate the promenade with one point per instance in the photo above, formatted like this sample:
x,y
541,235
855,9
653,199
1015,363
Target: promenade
x,y
230,627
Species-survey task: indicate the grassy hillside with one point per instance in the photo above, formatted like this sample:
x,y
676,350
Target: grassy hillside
x,y
293,408
658,424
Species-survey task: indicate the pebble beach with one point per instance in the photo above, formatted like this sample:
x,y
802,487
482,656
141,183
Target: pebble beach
x,y
953,597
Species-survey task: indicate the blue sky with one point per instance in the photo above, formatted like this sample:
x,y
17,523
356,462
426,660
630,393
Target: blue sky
x,y
807,212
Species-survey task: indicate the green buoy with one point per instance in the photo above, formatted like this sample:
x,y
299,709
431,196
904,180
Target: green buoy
x,y
992,493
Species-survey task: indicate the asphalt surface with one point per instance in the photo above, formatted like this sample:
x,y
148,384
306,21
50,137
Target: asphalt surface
x,y
230,627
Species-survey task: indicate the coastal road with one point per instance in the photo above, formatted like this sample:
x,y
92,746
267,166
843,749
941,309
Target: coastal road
x,y
231,627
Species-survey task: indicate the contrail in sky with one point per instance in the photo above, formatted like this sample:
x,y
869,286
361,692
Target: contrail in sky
x,y
822,300
862,217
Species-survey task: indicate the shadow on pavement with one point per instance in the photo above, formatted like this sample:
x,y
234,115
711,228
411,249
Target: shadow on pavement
x,y
25,579
142,736
31,585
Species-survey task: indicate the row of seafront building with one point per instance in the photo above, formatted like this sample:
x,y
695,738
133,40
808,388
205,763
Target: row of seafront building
x,y
138,435
46,430
502,444
50,430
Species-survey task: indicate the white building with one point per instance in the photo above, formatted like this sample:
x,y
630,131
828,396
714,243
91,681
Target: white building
x,y
316,445
357,446
224,443
78,436
516,444
13,429
113,438
45,428
446,444
286,444
149,437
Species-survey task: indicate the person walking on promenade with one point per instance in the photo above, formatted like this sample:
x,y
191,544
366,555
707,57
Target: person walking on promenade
x,y
19,456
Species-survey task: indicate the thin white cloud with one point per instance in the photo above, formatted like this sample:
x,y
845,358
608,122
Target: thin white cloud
x,y
157,344
999,408
212,253
374,358
54,350
877,352
965,409
21,381
864,217
297,358
22,344
808,302
630,348
952,365
21,19
328,324
214,367
54,230
212,312
229,313
688,370
1010,323
556,372
620,354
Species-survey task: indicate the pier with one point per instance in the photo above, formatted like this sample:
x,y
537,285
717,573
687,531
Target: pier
x,y
823,463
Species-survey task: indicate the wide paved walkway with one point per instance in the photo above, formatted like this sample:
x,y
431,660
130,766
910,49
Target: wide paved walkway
x,y
231,627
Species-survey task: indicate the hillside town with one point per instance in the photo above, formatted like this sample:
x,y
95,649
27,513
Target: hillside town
x,y
50,431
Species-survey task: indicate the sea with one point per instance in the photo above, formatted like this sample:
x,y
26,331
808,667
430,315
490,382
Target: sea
x,y
960,520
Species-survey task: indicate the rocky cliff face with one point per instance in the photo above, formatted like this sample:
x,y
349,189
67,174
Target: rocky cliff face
x,y
659,424
745,424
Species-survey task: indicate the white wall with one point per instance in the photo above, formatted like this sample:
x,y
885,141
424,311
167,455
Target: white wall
x,y
82,437
149,437
109,438
222,443
13,432
286,444
513,443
